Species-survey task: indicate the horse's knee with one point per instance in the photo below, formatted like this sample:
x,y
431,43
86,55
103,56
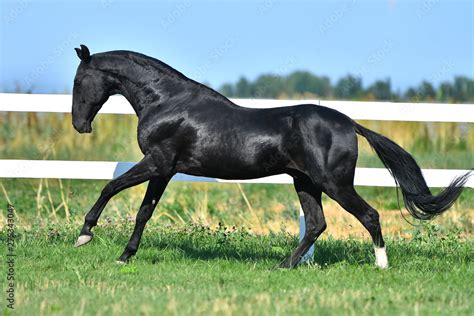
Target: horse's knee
x,y
321,227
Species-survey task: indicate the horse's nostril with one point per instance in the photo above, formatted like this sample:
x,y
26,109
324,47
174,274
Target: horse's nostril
x,y
83,127
77,126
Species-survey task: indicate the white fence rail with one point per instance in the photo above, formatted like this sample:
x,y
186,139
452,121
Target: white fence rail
x,y
106,170
57,103
382,111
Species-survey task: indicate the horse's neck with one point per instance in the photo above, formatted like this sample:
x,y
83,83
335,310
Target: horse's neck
x,y
145,85
141,92
133,96
138,81
150,94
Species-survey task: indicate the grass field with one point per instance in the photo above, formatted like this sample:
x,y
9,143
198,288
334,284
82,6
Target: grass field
x,y
193,270
188,264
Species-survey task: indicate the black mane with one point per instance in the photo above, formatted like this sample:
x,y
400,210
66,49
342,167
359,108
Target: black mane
x,y
140,59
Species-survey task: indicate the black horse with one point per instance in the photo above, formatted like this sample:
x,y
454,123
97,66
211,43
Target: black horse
x,y
184,126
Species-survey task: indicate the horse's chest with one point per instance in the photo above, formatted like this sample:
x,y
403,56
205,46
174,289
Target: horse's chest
x,y
158,134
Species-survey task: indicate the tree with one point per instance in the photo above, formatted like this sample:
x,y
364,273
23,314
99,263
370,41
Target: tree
x,y
227,89
301,82
268,86
463,89
322,86
243,89
445,91
411,94
381,89
348,87
426,91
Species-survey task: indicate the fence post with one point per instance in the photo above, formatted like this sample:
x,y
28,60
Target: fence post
x,y
310,253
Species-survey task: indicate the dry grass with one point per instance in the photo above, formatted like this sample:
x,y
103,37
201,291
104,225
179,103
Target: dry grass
x,y
207,204
342,225
36,136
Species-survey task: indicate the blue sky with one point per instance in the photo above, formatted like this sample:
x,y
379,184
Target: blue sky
x,y
219,41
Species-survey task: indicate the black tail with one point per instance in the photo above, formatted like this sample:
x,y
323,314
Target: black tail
x,y
417,196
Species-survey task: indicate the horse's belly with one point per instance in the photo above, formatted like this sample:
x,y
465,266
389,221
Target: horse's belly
x,y
228,174
245,162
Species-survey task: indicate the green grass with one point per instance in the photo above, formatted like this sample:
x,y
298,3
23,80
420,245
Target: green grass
x,y
193,270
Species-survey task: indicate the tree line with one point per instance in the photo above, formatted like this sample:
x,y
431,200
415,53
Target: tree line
x,y
304,84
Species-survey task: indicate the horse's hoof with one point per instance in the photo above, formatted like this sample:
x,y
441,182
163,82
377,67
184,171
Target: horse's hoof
x,y
82,240
284,265
382,266
120,262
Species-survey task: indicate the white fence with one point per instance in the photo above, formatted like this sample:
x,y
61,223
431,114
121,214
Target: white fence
x,y
423,112
426,112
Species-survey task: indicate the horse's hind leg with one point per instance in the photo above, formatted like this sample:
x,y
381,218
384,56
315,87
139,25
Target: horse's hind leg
x,y
310,199
348,198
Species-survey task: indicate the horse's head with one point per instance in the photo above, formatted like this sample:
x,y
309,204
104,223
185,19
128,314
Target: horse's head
x,y
91,90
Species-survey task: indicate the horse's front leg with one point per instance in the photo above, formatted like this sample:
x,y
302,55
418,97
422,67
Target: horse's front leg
x,y
155,190
141,172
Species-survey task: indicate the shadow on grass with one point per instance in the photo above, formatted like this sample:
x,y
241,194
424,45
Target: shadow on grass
x,y
202,244
326,253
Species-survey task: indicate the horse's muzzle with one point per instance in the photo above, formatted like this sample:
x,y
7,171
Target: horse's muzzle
x,y
83,127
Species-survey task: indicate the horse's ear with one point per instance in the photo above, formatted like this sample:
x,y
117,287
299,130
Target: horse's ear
x,y
78,52
83,53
